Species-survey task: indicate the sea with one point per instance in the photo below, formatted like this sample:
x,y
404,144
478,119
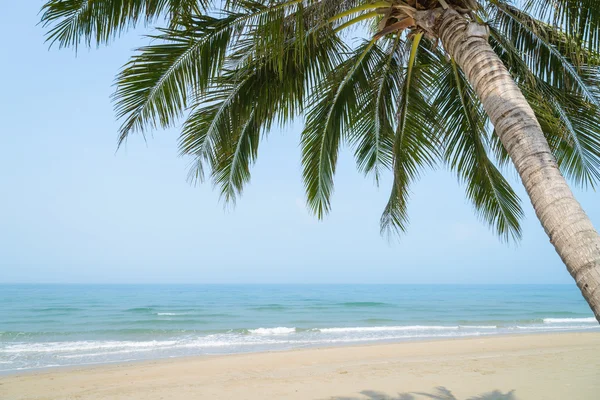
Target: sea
x,y
43,326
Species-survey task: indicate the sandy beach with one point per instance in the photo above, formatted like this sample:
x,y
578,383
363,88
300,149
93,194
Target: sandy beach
x,y
547,366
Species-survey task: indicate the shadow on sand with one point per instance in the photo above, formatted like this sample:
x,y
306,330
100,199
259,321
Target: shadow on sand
x,y
441,394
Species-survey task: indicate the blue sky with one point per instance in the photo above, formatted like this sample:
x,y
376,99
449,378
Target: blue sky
x,y
74,210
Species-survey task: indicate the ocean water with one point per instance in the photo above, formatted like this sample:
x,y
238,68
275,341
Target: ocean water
x,y
58,325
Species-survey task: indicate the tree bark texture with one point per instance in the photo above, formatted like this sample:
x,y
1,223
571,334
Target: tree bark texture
x,y
566,224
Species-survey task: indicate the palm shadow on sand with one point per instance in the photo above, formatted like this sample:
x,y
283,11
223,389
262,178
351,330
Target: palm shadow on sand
x,y
441,394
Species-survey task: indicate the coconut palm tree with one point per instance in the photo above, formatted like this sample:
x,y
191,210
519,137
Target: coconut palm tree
x,y
408,84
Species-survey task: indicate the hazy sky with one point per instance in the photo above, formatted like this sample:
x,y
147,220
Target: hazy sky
x,y
74,210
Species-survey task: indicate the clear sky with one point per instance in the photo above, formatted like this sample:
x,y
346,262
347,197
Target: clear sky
x,y
74,210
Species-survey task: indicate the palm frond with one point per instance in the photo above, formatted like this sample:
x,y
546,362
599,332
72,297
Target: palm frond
x,y
154,86
224,129
579,19
465,126
281,23
550,55
232,169
415,142
569,120
328,119
209,126
572,128
74,21
372,132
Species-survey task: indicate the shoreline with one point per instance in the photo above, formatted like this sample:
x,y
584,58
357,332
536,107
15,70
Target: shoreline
x,y
366,344
76,326
554,364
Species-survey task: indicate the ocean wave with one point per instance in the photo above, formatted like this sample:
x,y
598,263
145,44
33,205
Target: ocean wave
x,y
160,322
478,326
85,349
569,320
60,347
170,313
389,328
551,328
13,336
36,354
218,315
140,309
281,330
52,309
88,349
378,320
556,314
198,346
269,307
364,304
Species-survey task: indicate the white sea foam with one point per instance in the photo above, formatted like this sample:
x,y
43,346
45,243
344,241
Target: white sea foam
x,y
230,343
556,328
281,330
389,329
478,326
43,354
569,320
267,337
61,347
170,313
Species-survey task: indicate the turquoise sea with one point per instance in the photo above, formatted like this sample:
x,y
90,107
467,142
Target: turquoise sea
x,y
57,325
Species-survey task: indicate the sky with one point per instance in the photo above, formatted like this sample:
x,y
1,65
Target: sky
x,y
73,209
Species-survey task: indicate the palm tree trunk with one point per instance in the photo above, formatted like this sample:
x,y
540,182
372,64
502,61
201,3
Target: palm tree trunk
x,y
566,224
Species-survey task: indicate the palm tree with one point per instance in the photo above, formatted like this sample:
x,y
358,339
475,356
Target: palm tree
x,y
408,84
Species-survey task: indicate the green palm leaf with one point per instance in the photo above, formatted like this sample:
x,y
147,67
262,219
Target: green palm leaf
x,y
98,21
571,127
570,121
549,55
212,132
232,169
207,126
154,86
415,143
579,19
329,117
465,125
372,132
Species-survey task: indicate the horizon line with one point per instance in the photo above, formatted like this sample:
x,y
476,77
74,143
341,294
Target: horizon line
x,y
282,284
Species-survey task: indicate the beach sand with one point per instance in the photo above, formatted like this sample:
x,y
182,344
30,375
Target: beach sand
x,y
548,366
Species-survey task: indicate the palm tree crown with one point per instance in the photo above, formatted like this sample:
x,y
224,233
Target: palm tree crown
x,y
367,74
